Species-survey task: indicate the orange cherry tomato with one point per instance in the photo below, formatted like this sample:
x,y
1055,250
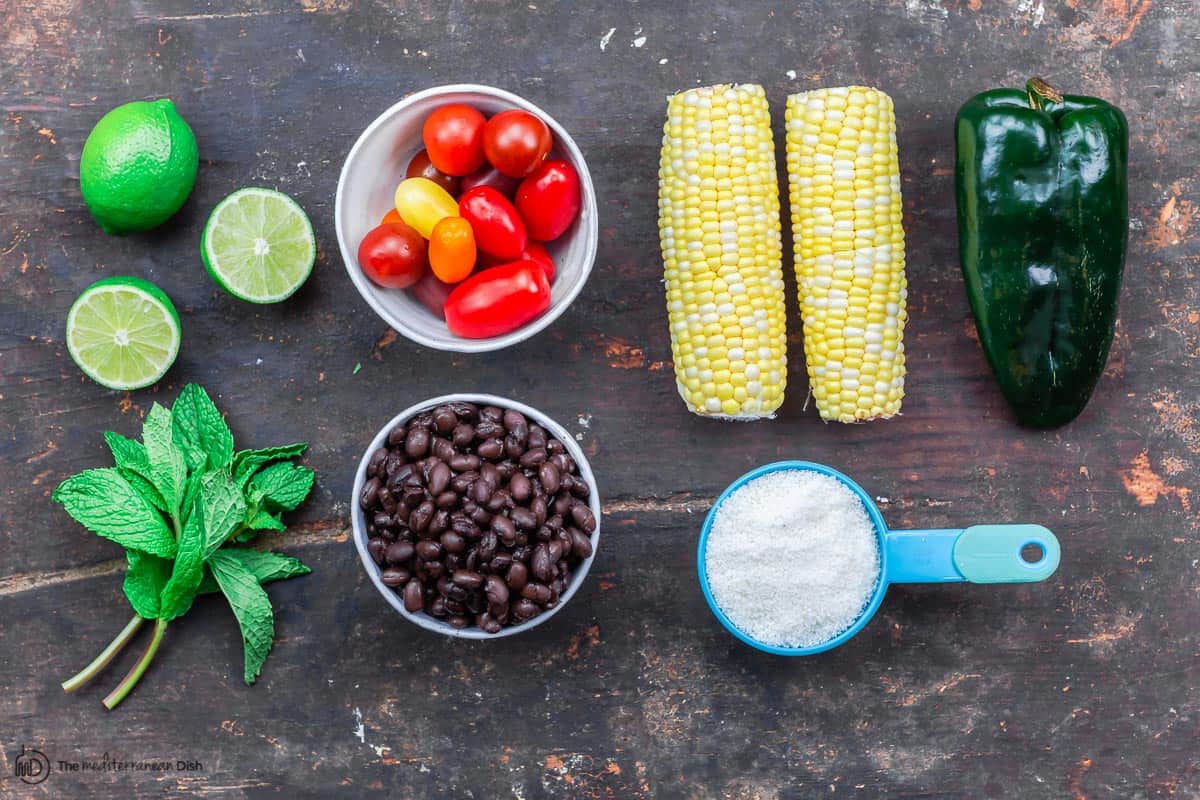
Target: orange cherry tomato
x,y
391,216
452,249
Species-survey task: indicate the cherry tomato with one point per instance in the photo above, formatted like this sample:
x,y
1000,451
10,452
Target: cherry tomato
x,y
453,136
452,249
422,167
537,253
498,300
549,200
432,293
498,228
490,176
392,255
422,203
516,141
391,216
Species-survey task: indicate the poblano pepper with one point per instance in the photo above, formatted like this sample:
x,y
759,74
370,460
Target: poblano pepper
x,y
1042,224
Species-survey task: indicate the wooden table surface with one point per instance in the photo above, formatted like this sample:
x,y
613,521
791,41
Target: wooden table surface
x,y
1086,686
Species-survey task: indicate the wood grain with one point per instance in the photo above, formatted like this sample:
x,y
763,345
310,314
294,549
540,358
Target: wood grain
x,y
1083,687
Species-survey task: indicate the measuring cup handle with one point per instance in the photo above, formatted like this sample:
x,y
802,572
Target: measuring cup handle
x,y
979,554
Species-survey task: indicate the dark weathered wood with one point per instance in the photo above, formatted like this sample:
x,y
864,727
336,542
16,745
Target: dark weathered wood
x,y
1083,687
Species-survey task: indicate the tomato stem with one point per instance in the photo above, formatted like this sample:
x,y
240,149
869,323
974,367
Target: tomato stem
x,y
130,680
85,675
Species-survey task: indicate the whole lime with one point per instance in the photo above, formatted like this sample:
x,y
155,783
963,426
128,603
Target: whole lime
x,y
138,166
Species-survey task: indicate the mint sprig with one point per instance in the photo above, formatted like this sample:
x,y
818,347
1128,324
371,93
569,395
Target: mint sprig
x,y
181,502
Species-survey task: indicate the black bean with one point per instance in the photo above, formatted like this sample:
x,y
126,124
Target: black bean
x,y
388,502
460,483
516,424
563,503
537,592
491,413
429,550
504,528
370,494
381,521
541,564
458,621
488,543
581,545
455,607
487,623
500,563
444,419
563,462
533,457
499,611
463,462
467,412
555,548
446,501
513,447
443,449
401,515
496,590
417,444
394,576
377,546
464,527
487,429
524,609
520,488
434,570
554,447
583,517
580,489
490,474
413,601
436,607
376,463
537,436
422,420
396,436
450,561
549,477
421,516
399,552
453,542
538,507
440,521
462,435
506,469
517,577
439,478
498,501
523,518
467,580
491,449
544,534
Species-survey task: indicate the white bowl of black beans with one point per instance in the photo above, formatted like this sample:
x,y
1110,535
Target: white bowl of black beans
x,y
475,516
375,166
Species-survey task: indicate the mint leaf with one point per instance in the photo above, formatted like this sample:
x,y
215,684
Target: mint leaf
x,y
248,462
250,605
200,430
265,565
180,591
224,509
134,466
105,503
167,468
265,521
144,582
284,485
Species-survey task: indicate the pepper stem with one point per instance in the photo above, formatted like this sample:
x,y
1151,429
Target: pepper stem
x,y
130,680
101,661
1039,91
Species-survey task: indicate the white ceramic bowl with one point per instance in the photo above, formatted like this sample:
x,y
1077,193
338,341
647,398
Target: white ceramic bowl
x,y
376,165
359,522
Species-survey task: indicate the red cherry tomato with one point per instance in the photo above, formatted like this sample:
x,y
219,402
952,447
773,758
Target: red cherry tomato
x,y
392,255
432,293
549,199
490,176
498,300
422,167
537,253
453,136
498,228
516,141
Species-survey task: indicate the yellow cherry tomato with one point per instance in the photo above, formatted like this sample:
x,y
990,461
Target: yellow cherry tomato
x,y
422,204
452,249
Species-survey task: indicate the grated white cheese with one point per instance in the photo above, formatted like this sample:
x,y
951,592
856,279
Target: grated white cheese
x,y
792,558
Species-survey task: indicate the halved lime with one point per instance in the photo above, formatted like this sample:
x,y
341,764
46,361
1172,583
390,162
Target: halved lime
x,y
258,245
123,333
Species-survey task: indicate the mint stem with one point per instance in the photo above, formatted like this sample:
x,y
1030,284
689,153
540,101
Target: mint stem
x,y
130,680
84,676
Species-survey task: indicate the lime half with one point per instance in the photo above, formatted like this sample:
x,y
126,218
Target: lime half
x,y
258,245
123,333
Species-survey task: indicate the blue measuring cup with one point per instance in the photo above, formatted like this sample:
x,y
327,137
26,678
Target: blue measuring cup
x,y
978,554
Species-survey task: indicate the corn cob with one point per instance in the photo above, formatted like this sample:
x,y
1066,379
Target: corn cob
x,y
718,221
844,189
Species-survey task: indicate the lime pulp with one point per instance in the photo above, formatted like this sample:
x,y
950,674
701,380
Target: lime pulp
x,y
123,332
258,245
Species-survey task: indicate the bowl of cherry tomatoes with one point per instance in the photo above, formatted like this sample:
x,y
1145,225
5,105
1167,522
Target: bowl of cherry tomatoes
x,y
466,218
